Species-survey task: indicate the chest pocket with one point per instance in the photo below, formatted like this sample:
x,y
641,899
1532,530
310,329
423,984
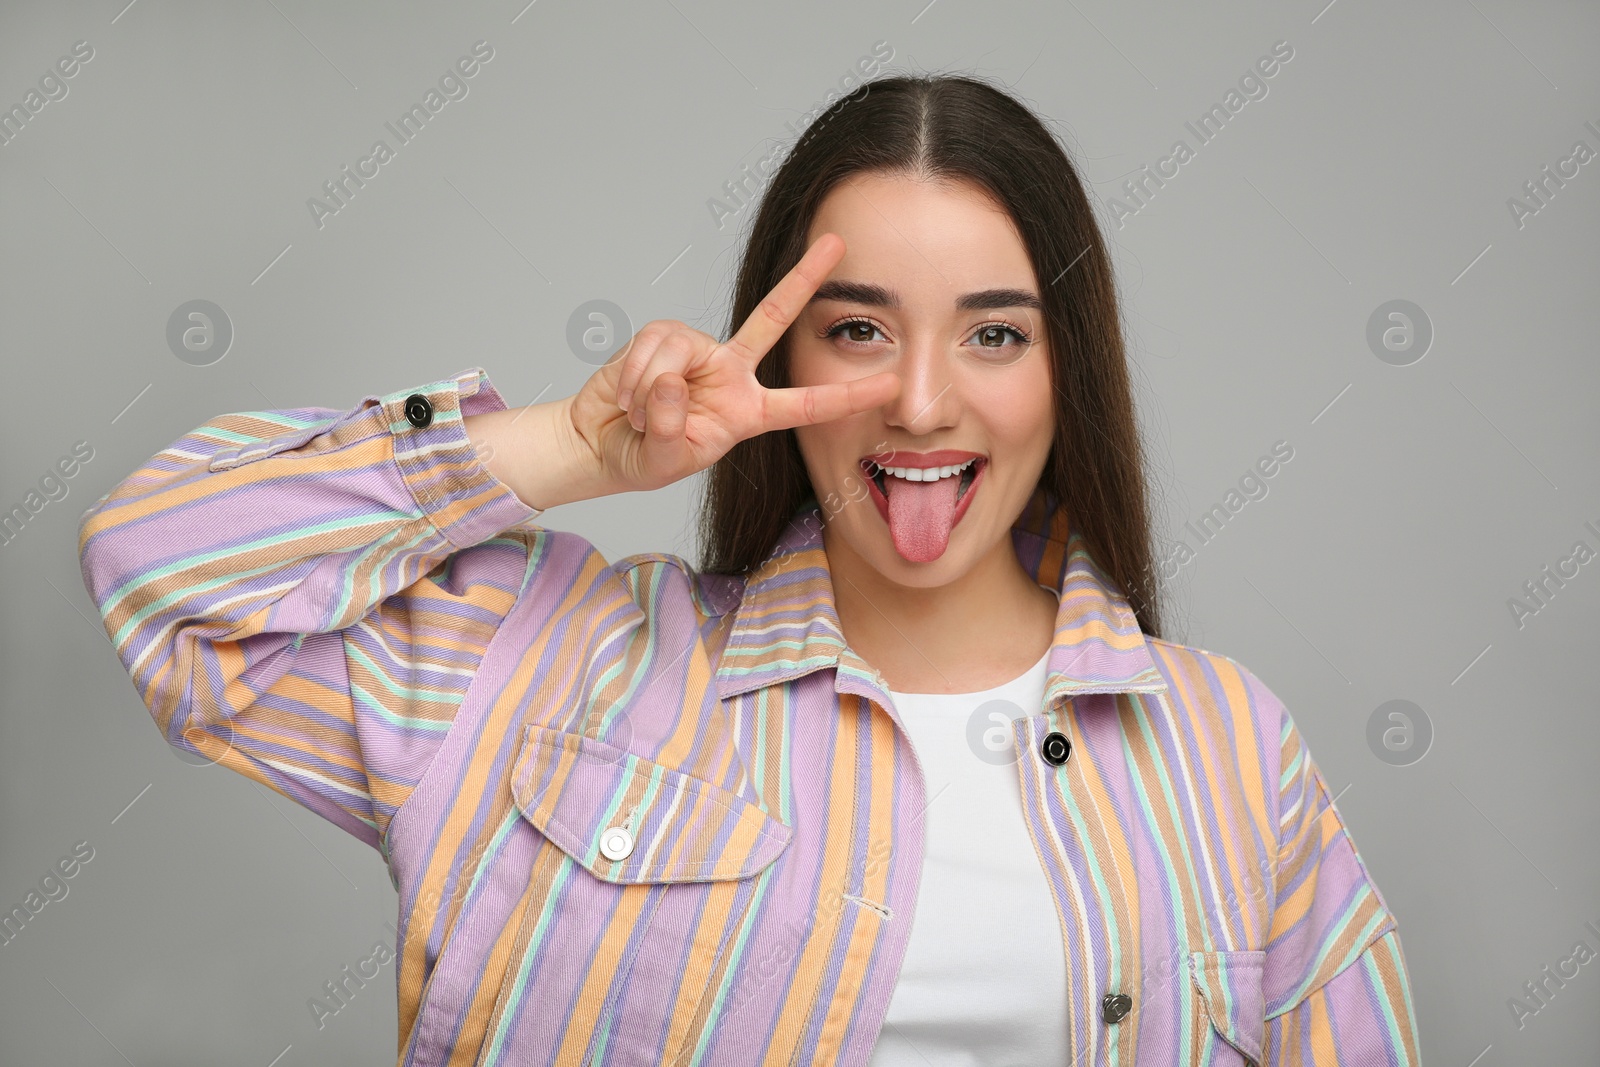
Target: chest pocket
x,y
650,882
628,819
1228,985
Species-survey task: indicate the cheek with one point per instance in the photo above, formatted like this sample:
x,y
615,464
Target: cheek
x,y
813,361
1018,409
1041,408
830,451
819,450
1034,397
808,362
810,445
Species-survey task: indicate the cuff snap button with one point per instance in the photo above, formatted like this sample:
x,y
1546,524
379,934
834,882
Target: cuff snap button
x,y
419,412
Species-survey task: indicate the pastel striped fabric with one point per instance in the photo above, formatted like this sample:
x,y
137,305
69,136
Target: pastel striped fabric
x,y
353,611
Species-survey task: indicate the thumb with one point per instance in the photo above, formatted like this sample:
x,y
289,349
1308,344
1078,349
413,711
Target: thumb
x,y
666,410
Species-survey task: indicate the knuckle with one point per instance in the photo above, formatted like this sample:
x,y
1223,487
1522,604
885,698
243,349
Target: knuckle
x,y
639,342
735,347
638,352
772,309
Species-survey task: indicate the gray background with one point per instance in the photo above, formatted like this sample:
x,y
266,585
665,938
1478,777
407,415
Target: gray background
x,y
1419,500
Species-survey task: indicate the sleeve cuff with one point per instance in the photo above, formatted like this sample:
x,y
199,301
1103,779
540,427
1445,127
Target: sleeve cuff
x,y
439,463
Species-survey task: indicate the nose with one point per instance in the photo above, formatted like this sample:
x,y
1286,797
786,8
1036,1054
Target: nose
x,y
929,398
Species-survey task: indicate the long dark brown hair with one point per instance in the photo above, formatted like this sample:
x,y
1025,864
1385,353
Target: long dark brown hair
x,y
942,126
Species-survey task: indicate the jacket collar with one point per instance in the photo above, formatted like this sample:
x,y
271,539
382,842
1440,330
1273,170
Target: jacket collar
x,y
786,627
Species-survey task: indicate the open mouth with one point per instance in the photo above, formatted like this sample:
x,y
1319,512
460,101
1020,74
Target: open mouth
x,y
882,478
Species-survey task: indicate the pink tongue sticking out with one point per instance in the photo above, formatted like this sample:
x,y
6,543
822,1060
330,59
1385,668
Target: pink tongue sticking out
x,y
921,515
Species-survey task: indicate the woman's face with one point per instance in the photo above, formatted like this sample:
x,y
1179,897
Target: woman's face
x,y
936,286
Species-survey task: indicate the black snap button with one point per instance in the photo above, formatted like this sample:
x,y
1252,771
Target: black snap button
x,y
1055,748
1114,1007
418,411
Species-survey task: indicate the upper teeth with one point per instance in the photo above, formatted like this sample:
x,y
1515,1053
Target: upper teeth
x,y
927,474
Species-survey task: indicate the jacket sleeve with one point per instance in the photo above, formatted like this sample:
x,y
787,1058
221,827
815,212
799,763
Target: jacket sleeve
x,y
1334,979
303,596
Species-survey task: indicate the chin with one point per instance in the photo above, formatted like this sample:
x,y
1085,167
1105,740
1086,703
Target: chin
x,y
950,565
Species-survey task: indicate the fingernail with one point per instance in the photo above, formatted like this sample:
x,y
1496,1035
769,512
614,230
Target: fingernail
x,y
624,398
636,420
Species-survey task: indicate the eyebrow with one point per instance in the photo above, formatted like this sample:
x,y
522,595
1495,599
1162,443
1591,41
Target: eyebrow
x,y
878,296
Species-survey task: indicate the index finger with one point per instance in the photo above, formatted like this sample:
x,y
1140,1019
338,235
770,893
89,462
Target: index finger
x,y
788,298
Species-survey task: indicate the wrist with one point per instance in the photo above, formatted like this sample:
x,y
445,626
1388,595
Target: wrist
x,y
537,453
562,466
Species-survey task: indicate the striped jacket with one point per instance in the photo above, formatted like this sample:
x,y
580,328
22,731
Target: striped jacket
x,y
639,814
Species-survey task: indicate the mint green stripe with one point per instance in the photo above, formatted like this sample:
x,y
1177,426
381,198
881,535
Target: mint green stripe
x,y
366,700
762,711
401,691
642,674
759,650
737,951
148,576
1386,1005
1332,934
384,549
535,943
1157,841
276,417
609,819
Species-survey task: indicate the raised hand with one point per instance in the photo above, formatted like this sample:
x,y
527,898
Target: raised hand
x,y
678,399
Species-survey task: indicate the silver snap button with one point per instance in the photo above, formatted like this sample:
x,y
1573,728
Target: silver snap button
x,y
616,843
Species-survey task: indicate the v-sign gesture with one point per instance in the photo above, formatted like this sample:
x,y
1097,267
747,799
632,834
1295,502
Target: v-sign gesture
x,y
678,399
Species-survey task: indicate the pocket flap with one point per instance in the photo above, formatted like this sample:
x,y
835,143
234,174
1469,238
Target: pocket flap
x,y
576,789
1230,985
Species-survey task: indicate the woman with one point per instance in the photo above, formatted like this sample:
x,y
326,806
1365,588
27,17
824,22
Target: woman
x,y
903,773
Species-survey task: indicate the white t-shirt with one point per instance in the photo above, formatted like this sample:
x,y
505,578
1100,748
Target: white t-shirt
x,y
984,980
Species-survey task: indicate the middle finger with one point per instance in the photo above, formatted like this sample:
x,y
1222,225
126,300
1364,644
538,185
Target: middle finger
x,y
675,353
637,357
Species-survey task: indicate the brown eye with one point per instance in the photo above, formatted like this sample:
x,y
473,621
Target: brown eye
x,y
1000,335
856,331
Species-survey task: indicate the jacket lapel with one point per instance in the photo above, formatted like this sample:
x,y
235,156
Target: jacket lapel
x,y
786,626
